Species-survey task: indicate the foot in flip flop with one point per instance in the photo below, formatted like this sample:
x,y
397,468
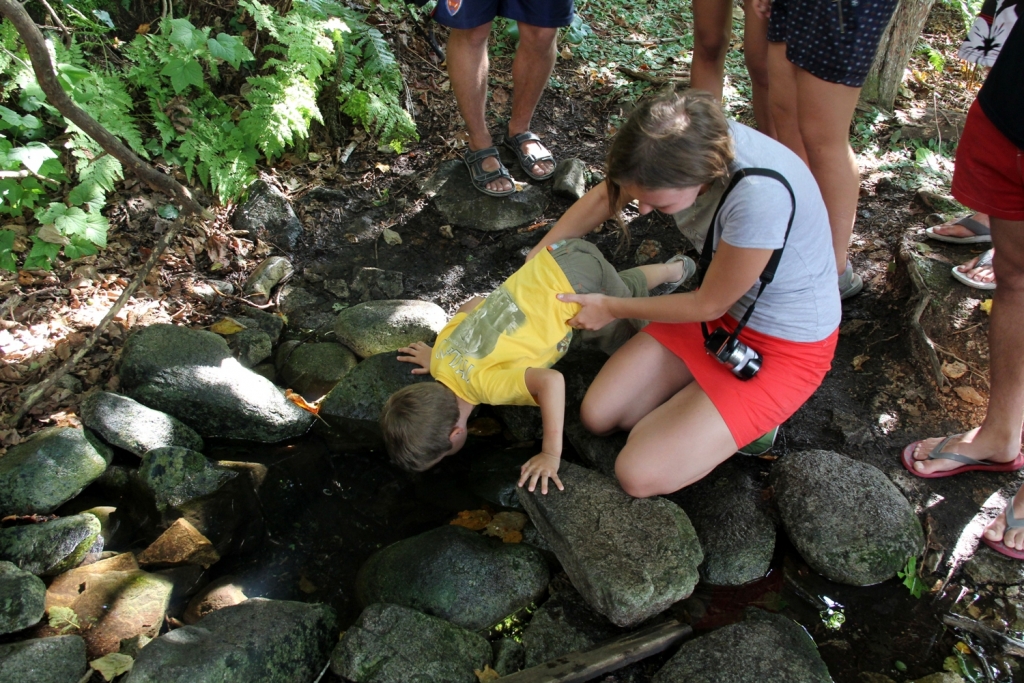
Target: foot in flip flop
x,y
534,157
1006,532
972,229
945,457
978,272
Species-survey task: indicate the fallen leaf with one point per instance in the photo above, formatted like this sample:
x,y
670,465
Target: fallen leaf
x,y
954,370
986,306
969,395
566,53
499,96
50,233
488,674
143,29
306,586
446,231
963,647
112,665
301,402
512,537
474,520
859,361
852,326
226,326
383,168
391,237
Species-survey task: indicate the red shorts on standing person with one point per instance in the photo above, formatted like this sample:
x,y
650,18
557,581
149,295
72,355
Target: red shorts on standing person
x,y
791,371
989,172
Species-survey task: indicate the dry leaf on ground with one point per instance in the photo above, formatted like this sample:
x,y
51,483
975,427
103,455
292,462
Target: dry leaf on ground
x,y
226,326
970,395
474,520
859,361
301,402
488,674
112,665
391,237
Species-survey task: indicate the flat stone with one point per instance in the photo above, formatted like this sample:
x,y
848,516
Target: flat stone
x,y
132,426
629,558
51,468
379,326
736,532
270,641
115,598
988,566
161,347
22,600
50,548
269,323
180,544
764,647
464,206
251,346
564,624
471,580
845,518
268,215
223,592
314,369
176,476
394,644
570,179
376,283
60,659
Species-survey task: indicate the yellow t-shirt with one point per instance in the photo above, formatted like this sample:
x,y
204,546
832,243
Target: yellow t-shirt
x,y
482,356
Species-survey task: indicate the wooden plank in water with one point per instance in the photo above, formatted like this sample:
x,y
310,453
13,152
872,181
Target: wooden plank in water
x,y
613,654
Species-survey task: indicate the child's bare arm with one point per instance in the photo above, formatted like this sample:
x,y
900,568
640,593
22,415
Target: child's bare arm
x,y
548,389
470,305
418,353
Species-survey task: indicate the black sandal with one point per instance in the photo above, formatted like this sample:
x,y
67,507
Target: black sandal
x,y
528,161
480,177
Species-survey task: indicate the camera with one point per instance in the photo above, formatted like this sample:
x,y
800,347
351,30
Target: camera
x,y
740,358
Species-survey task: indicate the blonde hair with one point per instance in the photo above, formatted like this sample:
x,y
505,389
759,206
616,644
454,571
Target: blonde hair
x,y
672,140
417,422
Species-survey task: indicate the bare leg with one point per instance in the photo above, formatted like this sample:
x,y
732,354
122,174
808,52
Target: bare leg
x,y
712,30
755,56
660,273
783,100
467,70
531,69
825,111
999,437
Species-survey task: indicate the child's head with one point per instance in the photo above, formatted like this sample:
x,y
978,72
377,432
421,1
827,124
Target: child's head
x,y
419,425
673,141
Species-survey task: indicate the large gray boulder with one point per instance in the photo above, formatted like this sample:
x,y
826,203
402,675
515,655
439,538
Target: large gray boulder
x,y
60,659
51,468
736,532
464,206
376,327
161,347
629,558
564,624
268,215
270,641
22,600
313,369
132,426
764,647
394,644
50,548
471,580
846,519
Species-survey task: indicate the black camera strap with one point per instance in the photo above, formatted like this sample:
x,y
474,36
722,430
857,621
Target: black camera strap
x,y
768,274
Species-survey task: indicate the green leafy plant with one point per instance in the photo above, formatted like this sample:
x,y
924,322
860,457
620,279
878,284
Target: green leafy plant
x,y
910,578
64,619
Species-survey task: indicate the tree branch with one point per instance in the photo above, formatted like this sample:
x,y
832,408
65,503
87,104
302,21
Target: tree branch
x,y
25,173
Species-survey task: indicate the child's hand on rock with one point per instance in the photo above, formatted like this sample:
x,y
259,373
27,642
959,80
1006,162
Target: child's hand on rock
x,y
418,353
542,466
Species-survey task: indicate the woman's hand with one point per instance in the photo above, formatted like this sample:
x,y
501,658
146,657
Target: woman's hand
x,y
763,8
594,313
418,353
542,466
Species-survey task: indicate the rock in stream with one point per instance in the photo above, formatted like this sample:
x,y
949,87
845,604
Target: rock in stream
x,y
132,426
52,547
379,326
22,600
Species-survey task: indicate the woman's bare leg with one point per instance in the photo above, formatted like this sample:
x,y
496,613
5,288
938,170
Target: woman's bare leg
x,y
712,30
660,273
783,99
755,56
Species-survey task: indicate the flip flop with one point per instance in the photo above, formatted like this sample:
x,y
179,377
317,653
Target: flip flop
x,y
480,177
981,232
969,463
983,260
689,268
1011,523
528,161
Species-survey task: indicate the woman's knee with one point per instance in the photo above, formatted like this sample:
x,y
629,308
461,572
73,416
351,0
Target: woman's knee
x,y
597,417
638,481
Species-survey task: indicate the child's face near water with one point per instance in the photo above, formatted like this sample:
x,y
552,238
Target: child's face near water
x,y
668,200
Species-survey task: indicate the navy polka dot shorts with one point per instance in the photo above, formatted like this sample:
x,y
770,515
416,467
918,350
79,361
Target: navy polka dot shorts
x,y
834,40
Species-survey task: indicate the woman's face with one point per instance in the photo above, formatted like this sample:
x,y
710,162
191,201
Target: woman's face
x,y
668,200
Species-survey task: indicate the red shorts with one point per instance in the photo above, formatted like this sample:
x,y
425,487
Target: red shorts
x,y
790,373
989,172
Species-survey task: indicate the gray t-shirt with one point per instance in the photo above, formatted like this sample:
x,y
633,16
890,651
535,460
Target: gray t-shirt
x,y
802,302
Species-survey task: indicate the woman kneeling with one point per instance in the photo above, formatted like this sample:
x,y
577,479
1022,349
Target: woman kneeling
x,y
686,410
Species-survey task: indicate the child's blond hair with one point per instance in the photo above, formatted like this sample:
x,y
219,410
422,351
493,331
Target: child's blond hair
x,y
417,422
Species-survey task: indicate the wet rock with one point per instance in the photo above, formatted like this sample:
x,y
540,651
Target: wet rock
x,y
22,600
132,426
116,530
43,473
564,624
379,326
735,530
220,594
629,558
353,406
471,580
509,656
600,452
49,548
298,303
176,476
267,371
270,641
162,347
764,647
314,369
114,598
495,476
268,215
846,519
251,346
464,206
228,401
268,274
394,644
375,283
988,566
270,324
211,291
523,422
180,544
570,179
60,659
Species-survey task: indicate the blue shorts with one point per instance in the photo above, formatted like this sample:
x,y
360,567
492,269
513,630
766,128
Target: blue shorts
x,y
834,40
472,13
